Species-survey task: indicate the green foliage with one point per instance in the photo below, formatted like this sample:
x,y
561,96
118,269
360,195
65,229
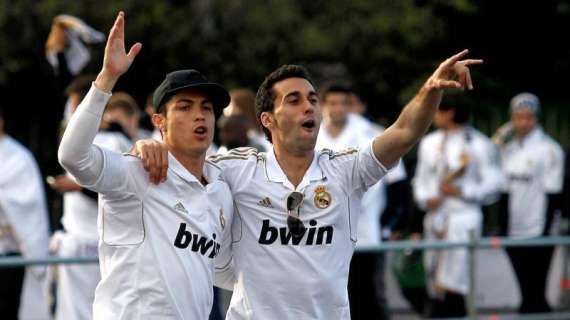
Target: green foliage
x,y
386,48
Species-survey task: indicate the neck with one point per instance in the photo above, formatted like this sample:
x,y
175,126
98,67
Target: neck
x,y
334,129
522,135
293,164
194,163
453,126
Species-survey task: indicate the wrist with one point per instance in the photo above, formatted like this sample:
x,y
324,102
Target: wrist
x,y
105,82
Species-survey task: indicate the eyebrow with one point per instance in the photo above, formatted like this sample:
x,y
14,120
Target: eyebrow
x,y
298,93
206,100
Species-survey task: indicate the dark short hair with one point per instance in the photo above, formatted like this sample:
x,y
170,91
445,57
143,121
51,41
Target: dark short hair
x,y
80,85
455,101
335,87
265,94
1,112
124,102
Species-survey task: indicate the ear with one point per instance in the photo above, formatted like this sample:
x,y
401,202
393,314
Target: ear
x,y
266,119
159,121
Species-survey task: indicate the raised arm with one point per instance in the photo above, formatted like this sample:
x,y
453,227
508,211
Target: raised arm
x,y
77,154
417,116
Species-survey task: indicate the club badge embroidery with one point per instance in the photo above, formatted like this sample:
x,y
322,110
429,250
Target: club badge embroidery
x,y
323,199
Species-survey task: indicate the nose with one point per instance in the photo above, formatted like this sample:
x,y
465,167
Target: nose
x,y
308,107
200,115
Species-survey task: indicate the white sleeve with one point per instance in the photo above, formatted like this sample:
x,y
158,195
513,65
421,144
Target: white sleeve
x,y
422,183
397,173
554,168
357,169
486,188
77,153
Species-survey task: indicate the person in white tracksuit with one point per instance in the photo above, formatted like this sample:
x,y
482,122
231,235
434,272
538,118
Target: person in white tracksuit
x,y
23,221
533,163
457,172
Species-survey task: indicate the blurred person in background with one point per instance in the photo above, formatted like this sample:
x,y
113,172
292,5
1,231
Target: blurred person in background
x,y
533,163
233,132
23,220
243,103
76,282
122,115
457,172
343,129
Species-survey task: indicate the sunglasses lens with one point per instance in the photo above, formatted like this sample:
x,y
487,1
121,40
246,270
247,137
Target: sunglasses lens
x,y
296,226
294,200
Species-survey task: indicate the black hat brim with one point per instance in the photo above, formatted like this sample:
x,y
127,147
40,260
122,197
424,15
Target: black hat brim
x,y
219,96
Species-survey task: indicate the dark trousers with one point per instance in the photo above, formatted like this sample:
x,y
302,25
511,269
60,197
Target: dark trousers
x,y
531,265
451,306
216,313
366,289
11,280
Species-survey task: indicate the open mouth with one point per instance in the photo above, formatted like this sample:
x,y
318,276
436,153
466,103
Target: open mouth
x,y
201,130
308,124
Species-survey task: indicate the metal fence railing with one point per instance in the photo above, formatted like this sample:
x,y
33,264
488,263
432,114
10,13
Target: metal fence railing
x,y
472,245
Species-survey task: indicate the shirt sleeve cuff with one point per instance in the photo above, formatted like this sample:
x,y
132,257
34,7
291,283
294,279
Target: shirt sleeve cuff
x,y
96,99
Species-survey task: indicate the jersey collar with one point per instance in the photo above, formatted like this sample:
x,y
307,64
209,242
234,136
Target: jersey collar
x,y
274,172
210,171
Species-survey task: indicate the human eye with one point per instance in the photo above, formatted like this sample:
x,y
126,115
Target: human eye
x,y
208,107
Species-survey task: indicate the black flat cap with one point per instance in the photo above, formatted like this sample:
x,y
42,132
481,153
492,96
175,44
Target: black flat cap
x,y
190,79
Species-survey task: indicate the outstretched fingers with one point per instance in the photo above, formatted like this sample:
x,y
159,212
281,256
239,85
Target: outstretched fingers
x,y
455,58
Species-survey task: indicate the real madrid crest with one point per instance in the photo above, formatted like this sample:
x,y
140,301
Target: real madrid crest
x,y
322,197
222,220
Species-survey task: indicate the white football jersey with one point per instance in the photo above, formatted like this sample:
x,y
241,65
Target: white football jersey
x,y
281,277
157,242
534,167
358,132
80,211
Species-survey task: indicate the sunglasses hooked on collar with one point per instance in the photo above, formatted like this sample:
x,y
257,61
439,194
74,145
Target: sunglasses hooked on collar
x,y
296,226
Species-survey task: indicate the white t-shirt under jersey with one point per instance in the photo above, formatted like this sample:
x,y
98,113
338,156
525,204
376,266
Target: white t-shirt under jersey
x,y
157,242
279,277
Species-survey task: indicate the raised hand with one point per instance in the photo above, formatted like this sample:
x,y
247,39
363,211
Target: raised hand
x,y
453,73
117,61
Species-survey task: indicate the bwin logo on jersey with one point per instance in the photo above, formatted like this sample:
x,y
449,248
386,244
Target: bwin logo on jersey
x,y
312,235
197,243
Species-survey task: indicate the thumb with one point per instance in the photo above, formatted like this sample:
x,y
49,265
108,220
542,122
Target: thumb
x,y
135,49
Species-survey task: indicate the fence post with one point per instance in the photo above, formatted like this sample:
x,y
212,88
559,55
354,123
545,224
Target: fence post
x,y
471,309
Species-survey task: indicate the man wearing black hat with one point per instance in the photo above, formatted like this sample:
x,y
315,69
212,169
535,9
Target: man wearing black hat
x,y
157,242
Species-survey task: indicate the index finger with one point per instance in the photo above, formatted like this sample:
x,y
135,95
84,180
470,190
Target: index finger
x,y
468,62
452,60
